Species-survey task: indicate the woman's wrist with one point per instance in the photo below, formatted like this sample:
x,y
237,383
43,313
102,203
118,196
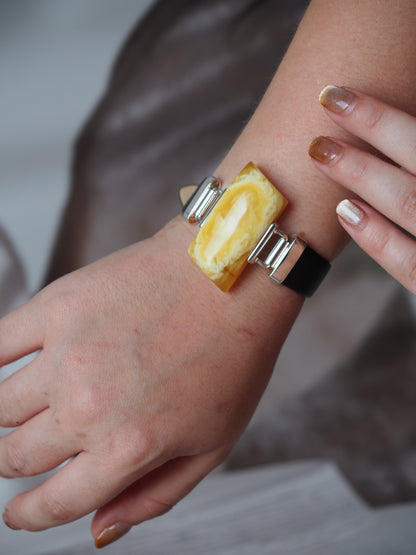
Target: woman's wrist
x,y
288,117
255,303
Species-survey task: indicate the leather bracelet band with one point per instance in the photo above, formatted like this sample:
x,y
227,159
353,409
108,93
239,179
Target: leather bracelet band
x,y
291,261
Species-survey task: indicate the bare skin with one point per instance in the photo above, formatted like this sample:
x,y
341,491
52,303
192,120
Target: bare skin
x,y
389,191
147,372
127,382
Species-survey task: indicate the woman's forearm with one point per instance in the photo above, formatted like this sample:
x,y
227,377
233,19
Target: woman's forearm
x,y
369,45
366,44
146,371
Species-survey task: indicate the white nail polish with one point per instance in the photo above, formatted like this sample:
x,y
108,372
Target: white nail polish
x,y
350,212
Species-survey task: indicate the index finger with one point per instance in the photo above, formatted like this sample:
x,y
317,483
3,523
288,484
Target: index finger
x,y
388,129
82,485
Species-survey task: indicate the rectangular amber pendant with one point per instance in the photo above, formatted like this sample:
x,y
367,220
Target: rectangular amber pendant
x,y
234,226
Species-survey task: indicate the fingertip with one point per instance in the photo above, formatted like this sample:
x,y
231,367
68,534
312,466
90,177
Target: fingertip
x,y
325,150
350,213
338,100
110,534
8,520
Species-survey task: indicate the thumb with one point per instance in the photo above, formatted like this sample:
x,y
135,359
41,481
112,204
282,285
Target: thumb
x,y
151,496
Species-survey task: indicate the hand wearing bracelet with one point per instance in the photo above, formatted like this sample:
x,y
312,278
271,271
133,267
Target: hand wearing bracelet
x,y
243,232
145,371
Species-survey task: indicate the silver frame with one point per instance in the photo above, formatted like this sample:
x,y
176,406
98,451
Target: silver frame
x,y
203,200
274,251
277,252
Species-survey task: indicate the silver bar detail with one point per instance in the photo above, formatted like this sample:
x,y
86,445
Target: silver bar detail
x,y
277,252
206,196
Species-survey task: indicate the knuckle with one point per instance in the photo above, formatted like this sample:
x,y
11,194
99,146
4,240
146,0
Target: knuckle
x,y
378,242
71,356
373,115
410,272
140,448
57,510
135,448
409,206
153,507
60,305
411,164
359,169
16,461
5,418
147,443
88,407
10,408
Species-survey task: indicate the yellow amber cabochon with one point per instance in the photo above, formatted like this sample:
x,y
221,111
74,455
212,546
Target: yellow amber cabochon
x,y
238,220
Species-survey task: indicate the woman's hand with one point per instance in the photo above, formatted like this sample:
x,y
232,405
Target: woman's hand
x,y
389,191
146,372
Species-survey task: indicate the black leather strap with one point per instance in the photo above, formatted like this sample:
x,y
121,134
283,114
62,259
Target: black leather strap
x,y
308,272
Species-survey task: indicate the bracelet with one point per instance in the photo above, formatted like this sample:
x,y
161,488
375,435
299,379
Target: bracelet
x,y
290,260
237,227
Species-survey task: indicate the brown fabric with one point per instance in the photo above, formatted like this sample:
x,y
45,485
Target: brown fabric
x,y
182,87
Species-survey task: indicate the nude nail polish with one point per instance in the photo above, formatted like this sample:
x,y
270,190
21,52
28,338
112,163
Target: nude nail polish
x,y
337,99
350,212
325,150
111,534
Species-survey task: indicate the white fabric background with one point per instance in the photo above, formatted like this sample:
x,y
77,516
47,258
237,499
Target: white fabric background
x,y
54,60
55,56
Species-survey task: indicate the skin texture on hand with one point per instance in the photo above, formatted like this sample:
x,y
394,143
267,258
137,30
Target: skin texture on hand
x,y
146,371
390,191
369,45
133,386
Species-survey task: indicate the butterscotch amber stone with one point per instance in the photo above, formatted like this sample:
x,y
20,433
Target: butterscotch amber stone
x,y
244,212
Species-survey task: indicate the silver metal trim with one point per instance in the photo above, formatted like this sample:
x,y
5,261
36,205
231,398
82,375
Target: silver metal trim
x,y
277,252
274,251
206,196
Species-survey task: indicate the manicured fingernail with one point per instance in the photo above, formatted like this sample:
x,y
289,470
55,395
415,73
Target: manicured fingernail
x,y
111,534
325,150
350,212
337,99
8,522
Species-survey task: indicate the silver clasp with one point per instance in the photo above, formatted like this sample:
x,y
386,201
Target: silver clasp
x,y
203,200
276,251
